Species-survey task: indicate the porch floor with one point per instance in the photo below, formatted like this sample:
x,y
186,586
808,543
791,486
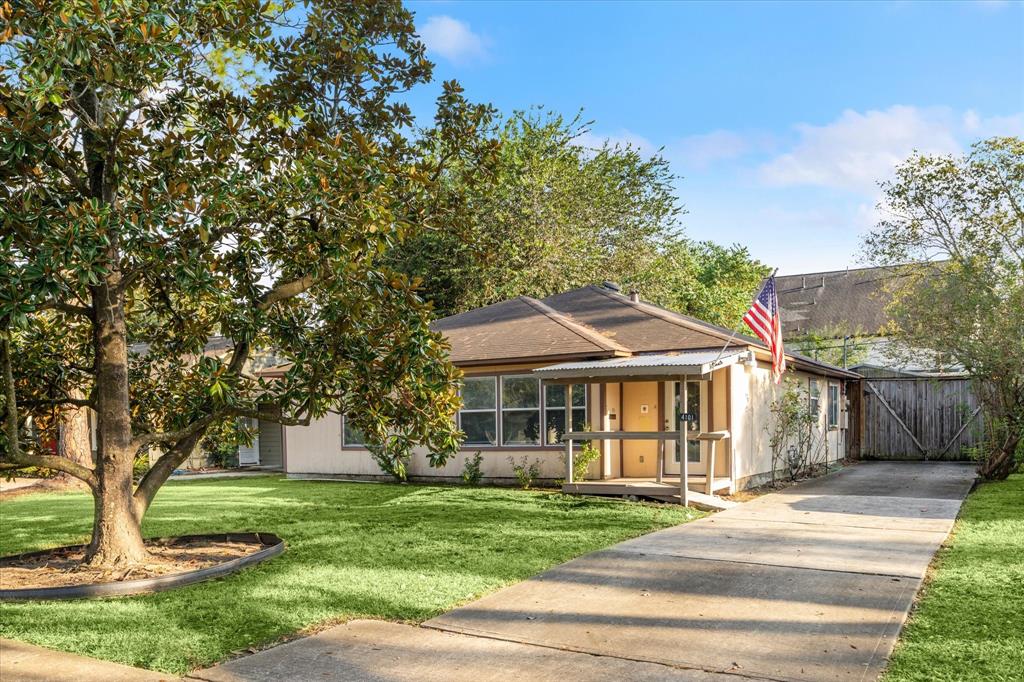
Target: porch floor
x,y
667,490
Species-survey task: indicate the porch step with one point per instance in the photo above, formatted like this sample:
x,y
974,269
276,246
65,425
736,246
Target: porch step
x,y
701,501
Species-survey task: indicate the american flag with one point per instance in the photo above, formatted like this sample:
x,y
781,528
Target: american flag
x,y
766,321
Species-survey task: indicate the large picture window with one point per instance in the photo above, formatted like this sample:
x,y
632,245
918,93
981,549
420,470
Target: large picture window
x,y
554,411
833,405
520,410
478,417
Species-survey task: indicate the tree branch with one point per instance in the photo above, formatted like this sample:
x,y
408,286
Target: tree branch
x,y
286,290
159,473
145,439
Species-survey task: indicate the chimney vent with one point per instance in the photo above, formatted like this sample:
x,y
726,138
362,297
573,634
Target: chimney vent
x,y
634,295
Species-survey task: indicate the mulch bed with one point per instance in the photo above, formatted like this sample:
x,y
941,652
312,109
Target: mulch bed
x,y
62,568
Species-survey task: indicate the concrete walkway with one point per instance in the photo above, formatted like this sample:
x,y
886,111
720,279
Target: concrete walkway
x,y
812,583
21,662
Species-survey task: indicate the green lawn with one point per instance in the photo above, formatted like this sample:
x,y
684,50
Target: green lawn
x,y
969,623
398,552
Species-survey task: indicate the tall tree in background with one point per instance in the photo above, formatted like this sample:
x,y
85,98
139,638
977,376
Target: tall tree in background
x,y
154,195
968,212
559,213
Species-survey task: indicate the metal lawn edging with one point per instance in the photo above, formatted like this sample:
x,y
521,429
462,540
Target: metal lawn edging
x,y
272,546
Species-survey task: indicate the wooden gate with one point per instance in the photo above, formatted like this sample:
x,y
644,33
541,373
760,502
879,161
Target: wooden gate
x,y
919,418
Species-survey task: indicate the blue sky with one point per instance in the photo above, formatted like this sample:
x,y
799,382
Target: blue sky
x,y
779,117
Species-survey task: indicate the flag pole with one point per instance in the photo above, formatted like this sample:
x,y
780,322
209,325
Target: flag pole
x,y
737,331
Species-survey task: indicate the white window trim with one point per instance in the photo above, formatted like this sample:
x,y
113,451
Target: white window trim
x,y
838,405
349,446
496,411
502,410
568,393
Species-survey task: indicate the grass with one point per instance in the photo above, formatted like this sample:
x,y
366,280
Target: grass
x,y
396,552
969,623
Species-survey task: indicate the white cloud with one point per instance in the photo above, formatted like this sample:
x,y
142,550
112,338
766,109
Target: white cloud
x,y
701,151
453,39
979,127
858,149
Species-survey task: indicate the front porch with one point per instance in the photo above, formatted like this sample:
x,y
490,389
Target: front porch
x,y
662,419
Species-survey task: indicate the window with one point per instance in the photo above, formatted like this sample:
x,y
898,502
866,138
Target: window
x,y
693,407
833,405
350,435
478,417
554,411
815,398
520,410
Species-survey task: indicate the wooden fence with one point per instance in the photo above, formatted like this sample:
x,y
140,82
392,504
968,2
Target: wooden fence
x,y
917,418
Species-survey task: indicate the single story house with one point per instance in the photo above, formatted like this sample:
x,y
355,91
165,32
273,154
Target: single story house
x,y
594,359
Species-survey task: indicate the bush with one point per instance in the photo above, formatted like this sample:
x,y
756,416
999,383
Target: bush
x,y
526,472
471,473
391,462
581,459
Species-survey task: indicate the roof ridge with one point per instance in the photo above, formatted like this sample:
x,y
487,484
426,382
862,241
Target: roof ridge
x,y
677,319
584,332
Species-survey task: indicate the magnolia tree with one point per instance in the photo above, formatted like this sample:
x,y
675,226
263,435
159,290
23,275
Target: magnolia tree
x,y
966,216
171,171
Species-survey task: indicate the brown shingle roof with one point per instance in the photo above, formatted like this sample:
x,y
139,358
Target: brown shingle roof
x,y
838,303
521,329
587,322
637,325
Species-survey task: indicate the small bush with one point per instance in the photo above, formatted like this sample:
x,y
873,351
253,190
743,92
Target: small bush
x,y
471,472
526,471
581,460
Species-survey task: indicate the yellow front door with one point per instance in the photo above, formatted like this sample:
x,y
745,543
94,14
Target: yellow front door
x,y
640,409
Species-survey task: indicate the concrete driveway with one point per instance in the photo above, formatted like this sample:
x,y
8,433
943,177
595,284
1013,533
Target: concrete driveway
x,y
812,583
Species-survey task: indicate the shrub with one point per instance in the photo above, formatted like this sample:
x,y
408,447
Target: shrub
x,y
526,472
581,459
471,473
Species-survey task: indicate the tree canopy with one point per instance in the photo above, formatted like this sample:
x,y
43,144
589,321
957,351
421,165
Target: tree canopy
x,y
965,215
175,171
558,213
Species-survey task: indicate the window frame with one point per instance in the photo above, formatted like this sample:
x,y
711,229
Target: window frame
x,y
814,398
496,411
541,424
346,445
833,405
569,391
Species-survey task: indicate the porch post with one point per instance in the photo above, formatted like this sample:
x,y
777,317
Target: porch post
x,y
684,465
568,429
709,487
568,460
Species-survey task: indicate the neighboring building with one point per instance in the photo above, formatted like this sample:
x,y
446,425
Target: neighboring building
x,y
845,310
628,365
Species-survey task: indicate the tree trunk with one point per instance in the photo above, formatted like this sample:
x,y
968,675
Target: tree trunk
x,y
116,533
1002,462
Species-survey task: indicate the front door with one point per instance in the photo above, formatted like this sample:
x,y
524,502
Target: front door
x,y
640,402
694,395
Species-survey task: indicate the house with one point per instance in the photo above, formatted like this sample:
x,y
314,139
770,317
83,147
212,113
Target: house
x,y
614,370
841,316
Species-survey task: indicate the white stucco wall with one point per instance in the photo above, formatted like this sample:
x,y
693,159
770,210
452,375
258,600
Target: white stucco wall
x,y
316,450
753,393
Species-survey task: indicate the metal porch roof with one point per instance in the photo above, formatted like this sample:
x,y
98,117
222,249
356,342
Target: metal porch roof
x,y
663,364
